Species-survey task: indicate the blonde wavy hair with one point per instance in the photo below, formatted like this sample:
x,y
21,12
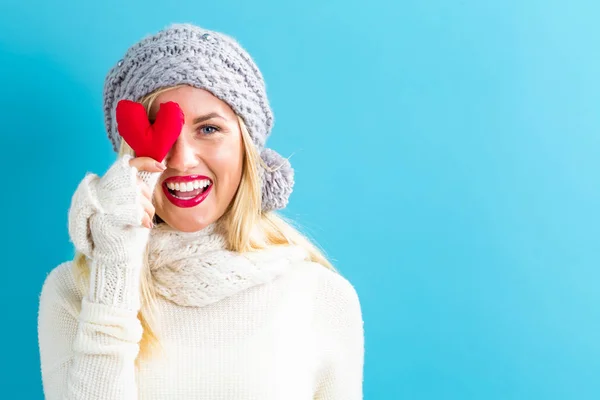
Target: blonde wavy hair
x,y
247,227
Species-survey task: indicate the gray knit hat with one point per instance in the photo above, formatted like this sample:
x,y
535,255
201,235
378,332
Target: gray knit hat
x,y
189,54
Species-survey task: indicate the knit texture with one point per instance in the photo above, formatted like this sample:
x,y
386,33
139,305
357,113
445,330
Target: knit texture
x,y
196,269
262,325
266,325
277,180
298,337
189,54
209,60
105,225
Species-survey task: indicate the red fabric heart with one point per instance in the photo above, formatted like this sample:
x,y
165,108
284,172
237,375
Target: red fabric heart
x,y
149,140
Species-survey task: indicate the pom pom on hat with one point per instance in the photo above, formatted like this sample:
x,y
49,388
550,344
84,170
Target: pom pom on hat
x,y
277,180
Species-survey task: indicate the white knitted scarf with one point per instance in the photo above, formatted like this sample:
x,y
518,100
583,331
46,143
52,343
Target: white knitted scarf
x,y
196,269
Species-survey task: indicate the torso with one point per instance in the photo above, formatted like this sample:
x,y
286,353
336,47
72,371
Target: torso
x,y
258,344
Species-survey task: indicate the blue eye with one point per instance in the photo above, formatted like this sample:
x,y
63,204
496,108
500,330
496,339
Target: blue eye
x,y
206,133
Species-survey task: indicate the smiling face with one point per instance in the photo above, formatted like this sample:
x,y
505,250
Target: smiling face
x,y
204,166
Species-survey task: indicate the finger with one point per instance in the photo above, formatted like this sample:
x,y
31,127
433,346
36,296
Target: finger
x,y
148,207
146,221
147,164
144,188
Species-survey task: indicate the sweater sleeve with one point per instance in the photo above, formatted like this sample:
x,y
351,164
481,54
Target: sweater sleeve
x,y
339,321
110,207
87,349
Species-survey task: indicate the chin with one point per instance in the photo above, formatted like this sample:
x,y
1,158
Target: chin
x,y
185,223
188,226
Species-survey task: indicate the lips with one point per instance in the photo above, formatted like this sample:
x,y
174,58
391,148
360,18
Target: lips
x,y
187,191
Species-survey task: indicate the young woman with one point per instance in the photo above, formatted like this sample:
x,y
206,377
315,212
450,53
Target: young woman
x,y
186,283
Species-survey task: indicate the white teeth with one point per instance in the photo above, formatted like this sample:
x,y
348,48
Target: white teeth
x,y
189,186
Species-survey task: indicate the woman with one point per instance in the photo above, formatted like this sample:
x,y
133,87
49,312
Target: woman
x,y
198,289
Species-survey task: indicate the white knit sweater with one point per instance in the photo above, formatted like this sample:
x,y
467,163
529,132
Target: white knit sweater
x,y
289,330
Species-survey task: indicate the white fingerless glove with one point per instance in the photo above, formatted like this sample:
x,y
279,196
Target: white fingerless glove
x,y
105,224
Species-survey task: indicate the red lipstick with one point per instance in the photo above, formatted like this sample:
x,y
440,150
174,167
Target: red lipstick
x,y
191,201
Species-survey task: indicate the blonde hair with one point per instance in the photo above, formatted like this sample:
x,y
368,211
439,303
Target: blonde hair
x,y
248,228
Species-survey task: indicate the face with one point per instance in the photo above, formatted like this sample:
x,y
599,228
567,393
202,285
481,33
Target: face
x,y
204,166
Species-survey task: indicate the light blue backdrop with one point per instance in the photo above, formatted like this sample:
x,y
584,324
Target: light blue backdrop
x,y
447,157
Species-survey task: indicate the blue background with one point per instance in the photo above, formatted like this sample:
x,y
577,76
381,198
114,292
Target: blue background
x,y
446,157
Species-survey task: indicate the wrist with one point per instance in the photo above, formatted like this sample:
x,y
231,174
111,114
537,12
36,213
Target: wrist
x,y
115,285
118,245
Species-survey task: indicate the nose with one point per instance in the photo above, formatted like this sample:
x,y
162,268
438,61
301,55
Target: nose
x,y
181,157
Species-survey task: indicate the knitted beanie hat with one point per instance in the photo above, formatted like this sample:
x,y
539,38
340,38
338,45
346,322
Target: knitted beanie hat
x,y
209,60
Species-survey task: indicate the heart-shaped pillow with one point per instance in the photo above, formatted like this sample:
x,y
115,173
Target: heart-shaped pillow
x,y
149,140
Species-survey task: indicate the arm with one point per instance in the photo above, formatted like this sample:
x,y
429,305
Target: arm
x,y
87,350
339,319
89,343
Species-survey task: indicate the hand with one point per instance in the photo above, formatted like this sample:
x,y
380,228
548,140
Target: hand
x,y
150,165
124,207
108,221
109,214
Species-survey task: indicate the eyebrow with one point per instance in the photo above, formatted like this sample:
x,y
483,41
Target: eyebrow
x,y
202,118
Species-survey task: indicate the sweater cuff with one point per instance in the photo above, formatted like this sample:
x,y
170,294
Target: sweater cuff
x,y
115,285
120,323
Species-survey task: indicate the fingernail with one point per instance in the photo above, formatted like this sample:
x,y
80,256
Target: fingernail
x,y
161,166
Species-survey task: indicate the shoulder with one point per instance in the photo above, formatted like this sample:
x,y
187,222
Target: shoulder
x,y
336,300
329,283
333,284
60,287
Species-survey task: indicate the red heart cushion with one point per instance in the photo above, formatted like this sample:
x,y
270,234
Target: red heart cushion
x,y
149,140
